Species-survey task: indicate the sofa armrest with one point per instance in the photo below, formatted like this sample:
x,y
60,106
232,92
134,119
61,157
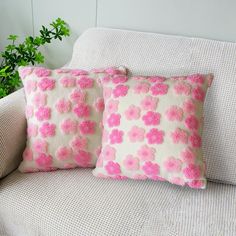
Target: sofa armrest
x,y
12,131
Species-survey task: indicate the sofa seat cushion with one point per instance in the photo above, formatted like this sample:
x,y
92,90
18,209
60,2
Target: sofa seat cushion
x,y
41,204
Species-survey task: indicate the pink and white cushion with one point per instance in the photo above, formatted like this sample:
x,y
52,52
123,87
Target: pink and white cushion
x,y
64,113
153,128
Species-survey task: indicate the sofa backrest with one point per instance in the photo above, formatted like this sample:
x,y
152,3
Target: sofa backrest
x,y
156,54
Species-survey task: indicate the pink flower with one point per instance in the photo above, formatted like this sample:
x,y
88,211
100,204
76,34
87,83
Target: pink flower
x,y
131,163
191,122
116,136
29,111
141,87
44,160
195,140
77,72
87,127
155,136
39,99
159,89
197,78
132,113
43,113
146,153
112,106
78,143
188,156
115,71
40,146
118,79
42,72
189,106
24,71
178,181
112,168
28,154
77,96
196,184
192,171
82,110
136,134
46,84
99,105
150,168
63,105
30,86
173,165
198,94
120,90
107,93
63,153
174,113
83,158
105,79
108,153
179,136
149,103
68,82
68,126
182,88
47,130
155,79
113,120
85,82
151,118
32,130
62,71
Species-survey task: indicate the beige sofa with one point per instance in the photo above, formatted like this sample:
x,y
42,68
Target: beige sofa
x,y
74,202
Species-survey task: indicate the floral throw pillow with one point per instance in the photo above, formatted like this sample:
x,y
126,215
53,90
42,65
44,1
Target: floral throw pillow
x,y
153,128
64,114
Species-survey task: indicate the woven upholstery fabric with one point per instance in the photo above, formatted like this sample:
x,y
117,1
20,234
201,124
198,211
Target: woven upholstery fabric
x,y
40,204
12,131
151,54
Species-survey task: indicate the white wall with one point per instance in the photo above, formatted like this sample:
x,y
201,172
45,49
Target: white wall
x,y
214,19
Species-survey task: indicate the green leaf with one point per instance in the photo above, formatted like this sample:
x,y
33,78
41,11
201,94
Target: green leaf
x,y
12,37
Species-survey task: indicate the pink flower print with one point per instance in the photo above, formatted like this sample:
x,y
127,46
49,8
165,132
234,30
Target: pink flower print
x,y
115,71
43,160
151,118
78,96
83,158
188,156
182,88
99,105
141,87
107,93
77,72
146,153
87,127
119,79
179,136
105,136
112,106
136,134
149,103
150,168
62,71
82,110
40,146
113,120
191,122
157,178
196,184
42,72
63,153
189,106
177,181
116,136
28,154
30,86
192,171
112,168
155,136
131,163
197,79
23,72
46,84
68,82
29,111
132,113
78,143
195,140
159,89
68,126
63,105
173,165
109,153
85,82
174,113
32,130
120,90
198,94
43,113
155,79
39,99
139,78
